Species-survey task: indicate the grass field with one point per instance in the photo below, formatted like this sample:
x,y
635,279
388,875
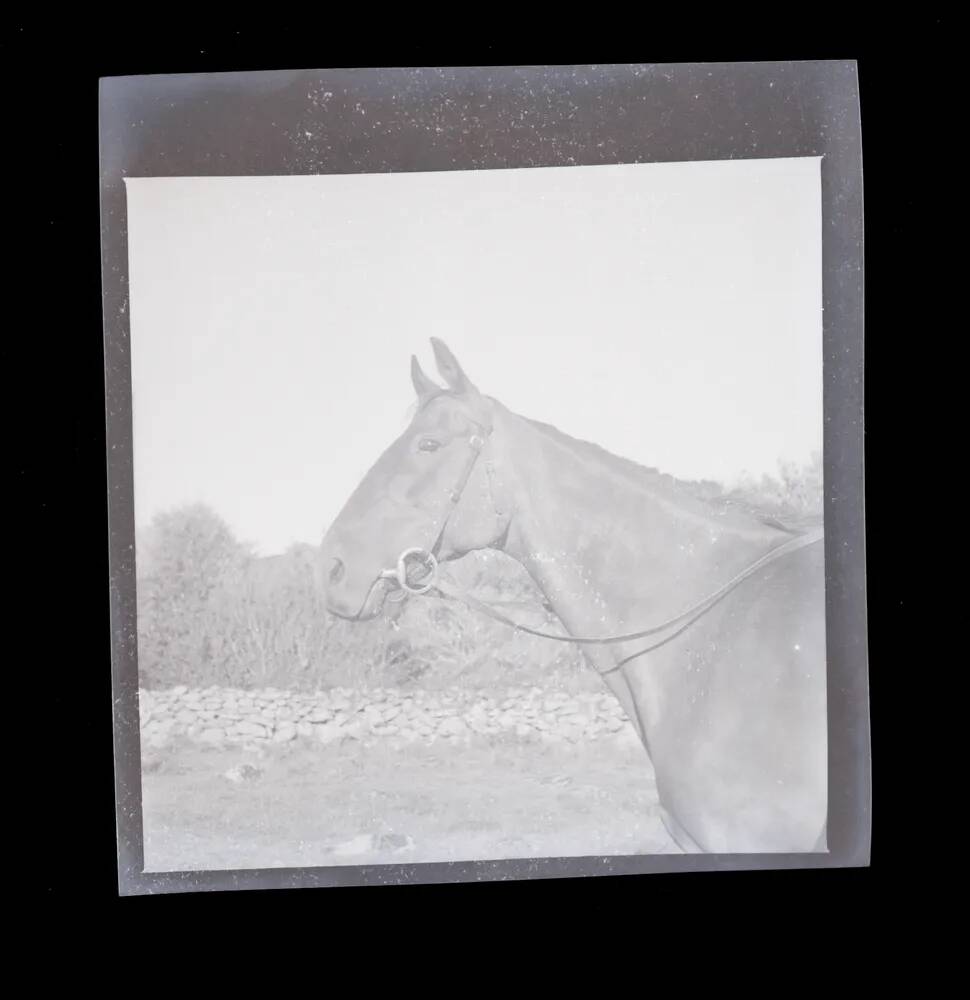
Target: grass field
x,y
352,803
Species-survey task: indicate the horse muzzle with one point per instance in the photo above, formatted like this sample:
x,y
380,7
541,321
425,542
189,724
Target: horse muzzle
x,y
416,572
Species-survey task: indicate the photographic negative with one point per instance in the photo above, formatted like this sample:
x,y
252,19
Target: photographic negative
x,y
481,514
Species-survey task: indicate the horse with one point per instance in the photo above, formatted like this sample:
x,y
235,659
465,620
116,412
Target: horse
x,y
730,707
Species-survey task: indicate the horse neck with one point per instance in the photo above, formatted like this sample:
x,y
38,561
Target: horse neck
x,y
610,543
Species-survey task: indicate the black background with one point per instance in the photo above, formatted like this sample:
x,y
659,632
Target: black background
x,y
54,356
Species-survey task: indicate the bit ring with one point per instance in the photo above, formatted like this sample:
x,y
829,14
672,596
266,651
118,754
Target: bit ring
x,y
401,573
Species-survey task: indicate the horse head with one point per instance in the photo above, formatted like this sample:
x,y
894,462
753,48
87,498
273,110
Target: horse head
x,y
426,499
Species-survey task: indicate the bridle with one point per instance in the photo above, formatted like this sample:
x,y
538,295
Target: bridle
x,y
669,629
428,557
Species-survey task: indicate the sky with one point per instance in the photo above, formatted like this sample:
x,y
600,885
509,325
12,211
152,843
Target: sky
x,y
671,313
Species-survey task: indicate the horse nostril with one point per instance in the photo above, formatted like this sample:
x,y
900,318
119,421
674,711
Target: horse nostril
x,y
336,571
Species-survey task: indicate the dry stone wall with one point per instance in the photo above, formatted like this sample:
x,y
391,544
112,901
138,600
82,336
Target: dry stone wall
x,y
225,716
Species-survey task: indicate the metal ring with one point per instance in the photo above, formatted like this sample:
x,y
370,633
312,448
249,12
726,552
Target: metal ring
x,y
402,571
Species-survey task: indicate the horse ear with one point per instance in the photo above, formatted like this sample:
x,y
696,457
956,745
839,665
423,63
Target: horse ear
x,y
449,368
423,385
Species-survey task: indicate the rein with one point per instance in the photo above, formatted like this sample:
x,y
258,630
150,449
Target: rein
x,y
688,617
427,558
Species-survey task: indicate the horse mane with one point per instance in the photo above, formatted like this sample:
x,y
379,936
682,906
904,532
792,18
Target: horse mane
x,y
715,495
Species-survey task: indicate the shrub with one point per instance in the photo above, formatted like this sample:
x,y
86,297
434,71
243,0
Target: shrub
x,y
795,494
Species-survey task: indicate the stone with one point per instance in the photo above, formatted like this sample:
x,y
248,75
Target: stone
x,y
244,772
179,690
304,729
319,715
285,732
185,717
452,726
213,736
391,712
396,842
360,844
522,730
249,729
327,732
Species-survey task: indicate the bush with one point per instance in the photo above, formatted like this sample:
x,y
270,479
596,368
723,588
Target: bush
x,y
795,494
184,562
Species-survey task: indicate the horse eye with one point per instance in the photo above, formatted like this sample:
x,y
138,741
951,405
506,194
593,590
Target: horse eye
x,y
429,444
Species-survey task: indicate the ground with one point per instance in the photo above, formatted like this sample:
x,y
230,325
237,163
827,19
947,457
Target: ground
x,y
305,804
